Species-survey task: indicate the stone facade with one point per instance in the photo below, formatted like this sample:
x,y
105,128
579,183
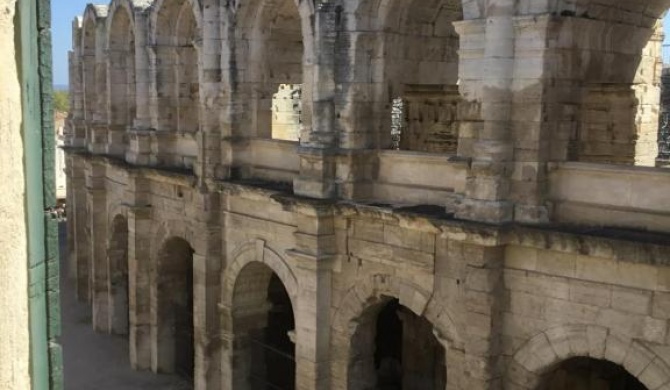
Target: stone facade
x,y
486,247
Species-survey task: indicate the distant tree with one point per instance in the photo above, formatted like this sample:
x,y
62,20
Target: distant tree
x,y
61,101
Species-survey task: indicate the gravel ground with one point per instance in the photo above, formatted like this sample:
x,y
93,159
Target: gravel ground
x,y
94,361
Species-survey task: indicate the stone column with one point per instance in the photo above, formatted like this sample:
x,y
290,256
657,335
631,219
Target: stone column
x,y
97,222
207,268
75,129
318,139
77,216
138,151
97,125
487,189
142,71
314,254
210,105
139,270
484,296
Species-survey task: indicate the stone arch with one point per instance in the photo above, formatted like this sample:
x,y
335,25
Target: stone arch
x,y
94,64
406,54
548,349
89,49
273,46
259,302
117,255
362,303
174,228
258,252
612,89
121,68
176,32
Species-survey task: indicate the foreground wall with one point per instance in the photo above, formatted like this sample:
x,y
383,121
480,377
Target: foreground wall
x,y
14,325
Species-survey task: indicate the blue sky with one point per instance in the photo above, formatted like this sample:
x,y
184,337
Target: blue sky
x,y
63,11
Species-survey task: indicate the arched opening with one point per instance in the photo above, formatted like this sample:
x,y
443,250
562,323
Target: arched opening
x,y
175,343
177,67
271,47
121,54
583,373
118,264
608,94
263,324
395,349
407,53
88,68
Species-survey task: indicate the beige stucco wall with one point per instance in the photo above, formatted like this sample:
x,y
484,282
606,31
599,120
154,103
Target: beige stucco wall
x,y
14,336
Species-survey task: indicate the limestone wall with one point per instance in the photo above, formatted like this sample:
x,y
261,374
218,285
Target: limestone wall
x,y
14,325
500,255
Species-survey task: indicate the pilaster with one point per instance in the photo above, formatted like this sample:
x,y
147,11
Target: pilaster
x,y
97,222
318,139
78,218
139,270
314,255
142,71
207,293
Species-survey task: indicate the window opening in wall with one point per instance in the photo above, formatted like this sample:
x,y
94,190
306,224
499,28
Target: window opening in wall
x,y
273,356
612,115
424,119
587,373
287,112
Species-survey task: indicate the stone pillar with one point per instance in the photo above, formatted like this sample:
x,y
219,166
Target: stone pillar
x,y
207,270
532,120
139,270
142,71
487,189
138,151
314,254
100,71
209,136
75,130
484,294
97,222
318,139
78,218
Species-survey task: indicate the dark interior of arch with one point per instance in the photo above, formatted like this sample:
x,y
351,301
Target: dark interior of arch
x,y
406,353
118,256
273,355
176,308
582,373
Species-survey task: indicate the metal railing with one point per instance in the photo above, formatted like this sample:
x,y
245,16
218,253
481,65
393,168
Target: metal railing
x,y
274,359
